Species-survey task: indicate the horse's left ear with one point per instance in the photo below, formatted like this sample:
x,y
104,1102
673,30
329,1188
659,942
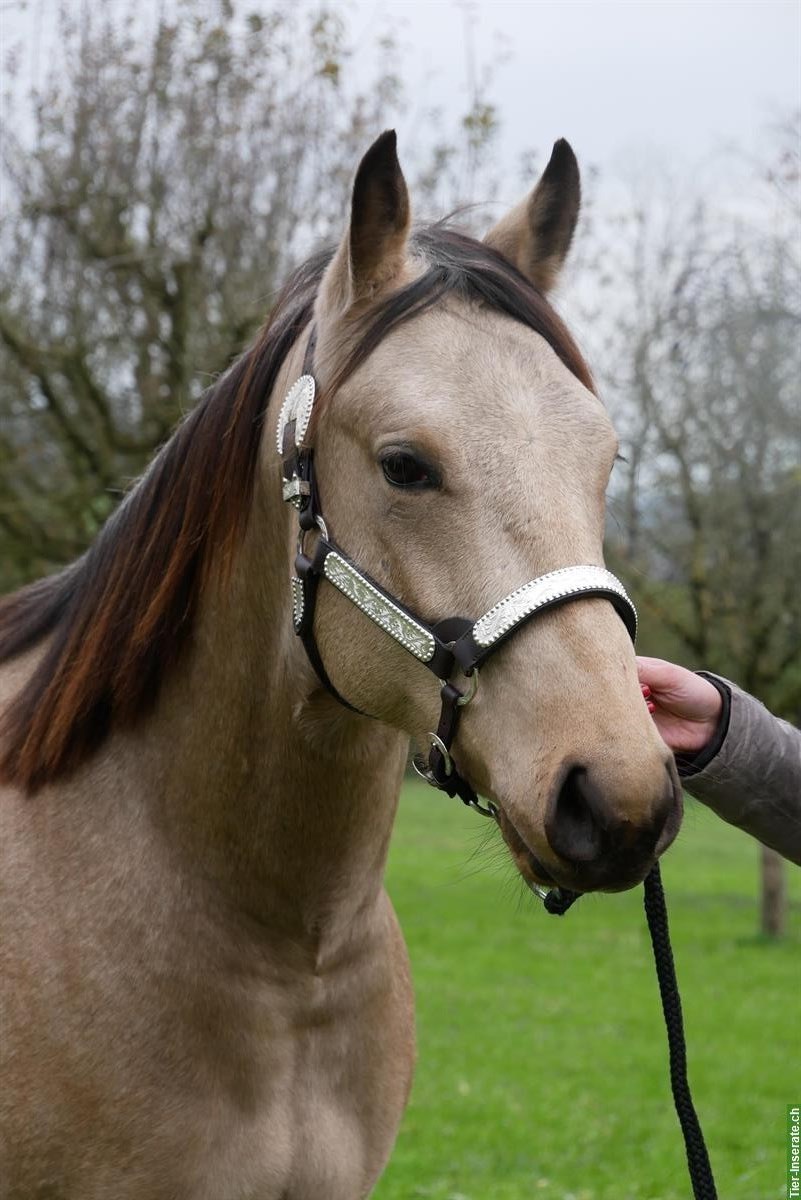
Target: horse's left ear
x,y
537,233
372,254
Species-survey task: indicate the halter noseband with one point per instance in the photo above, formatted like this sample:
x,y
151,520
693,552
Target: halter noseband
x,y
453,645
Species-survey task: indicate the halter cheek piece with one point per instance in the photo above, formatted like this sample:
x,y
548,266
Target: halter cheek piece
x,y
455,645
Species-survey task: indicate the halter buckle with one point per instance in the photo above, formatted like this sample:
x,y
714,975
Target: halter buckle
x,y
295,489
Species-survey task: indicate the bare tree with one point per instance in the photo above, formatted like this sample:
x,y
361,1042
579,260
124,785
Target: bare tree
x,y
708,502
173,177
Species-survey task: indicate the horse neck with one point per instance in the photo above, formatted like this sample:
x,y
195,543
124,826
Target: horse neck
x,y
264,783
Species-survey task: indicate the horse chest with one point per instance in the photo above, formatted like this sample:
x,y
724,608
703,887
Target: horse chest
x,y
273,1154
348,1054
321,1073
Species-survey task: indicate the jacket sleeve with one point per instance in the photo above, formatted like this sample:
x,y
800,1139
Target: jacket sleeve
x,y
752,778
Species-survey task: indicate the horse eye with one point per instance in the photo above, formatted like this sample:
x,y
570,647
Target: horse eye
x,y
404,470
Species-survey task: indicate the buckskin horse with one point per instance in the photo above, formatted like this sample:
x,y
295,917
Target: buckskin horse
x,y
205,991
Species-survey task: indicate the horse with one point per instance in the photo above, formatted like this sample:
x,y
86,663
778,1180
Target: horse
x,y
205,991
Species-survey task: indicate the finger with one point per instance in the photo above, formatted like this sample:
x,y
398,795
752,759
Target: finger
x,y
656,673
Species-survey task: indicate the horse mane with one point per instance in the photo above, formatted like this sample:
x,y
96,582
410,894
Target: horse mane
x,y
120,617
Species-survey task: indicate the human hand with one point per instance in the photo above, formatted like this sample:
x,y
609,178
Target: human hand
x,y
686,707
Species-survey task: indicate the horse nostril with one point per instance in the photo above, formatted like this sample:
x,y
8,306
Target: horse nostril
x,y
583,828
571,825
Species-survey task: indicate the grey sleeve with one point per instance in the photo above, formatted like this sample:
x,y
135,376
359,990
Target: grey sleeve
x,y
754,779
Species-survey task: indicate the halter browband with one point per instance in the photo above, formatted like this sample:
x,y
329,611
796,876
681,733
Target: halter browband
x,y
452,645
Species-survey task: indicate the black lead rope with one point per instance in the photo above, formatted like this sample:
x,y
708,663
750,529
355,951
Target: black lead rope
x,y
694,1145
557,902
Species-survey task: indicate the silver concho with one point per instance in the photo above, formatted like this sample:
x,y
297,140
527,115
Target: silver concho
x,y
297,407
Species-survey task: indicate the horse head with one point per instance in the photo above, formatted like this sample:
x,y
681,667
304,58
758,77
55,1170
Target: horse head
x,y
460,451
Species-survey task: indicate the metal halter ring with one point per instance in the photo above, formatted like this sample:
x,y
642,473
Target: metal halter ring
x,y
539,890
472,688
472,680
490,810
421,766
322,527
438,744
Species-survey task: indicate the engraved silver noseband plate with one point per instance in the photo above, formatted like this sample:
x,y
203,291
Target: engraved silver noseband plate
x,y
393,620
565,583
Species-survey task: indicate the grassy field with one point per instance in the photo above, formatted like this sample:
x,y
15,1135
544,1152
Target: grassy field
x,y
542,1066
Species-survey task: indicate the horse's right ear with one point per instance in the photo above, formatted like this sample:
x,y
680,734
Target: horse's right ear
x,y
537,233
372,255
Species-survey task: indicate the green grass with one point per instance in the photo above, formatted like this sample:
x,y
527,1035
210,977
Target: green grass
x,y
542,1069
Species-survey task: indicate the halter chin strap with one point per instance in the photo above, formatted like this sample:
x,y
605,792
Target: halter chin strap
x,y
451,646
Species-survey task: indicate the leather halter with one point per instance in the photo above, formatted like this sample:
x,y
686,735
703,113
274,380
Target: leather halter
x,y
451,646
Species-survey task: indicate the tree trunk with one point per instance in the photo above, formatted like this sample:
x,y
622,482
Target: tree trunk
x,y
774,899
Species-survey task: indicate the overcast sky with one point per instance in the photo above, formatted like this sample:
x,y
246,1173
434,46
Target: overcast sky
x,y
621,80
665,77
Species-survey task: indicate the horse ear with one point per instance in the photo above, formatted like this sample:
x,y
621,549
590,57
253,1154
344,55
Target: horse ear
x,y
537,233
372,254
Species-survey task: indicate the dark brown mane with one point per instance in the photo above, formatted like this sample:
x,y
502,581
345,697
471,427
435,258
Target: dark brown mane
x,y
121,615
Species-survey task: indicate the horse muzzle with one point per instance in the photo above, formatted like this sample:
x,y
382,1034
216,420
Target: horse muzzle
x,y
587,842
